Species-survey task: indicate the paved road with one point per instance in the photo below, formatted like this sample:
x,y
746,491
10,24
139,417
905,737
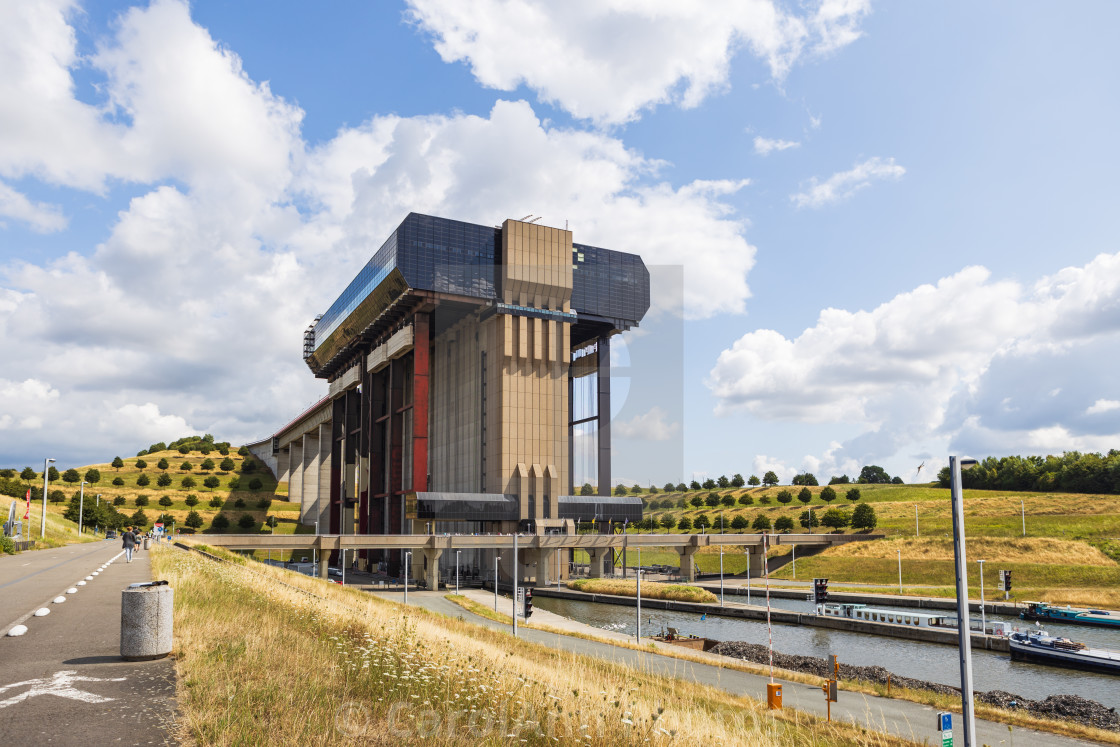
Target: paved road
x,y
904,718
63,682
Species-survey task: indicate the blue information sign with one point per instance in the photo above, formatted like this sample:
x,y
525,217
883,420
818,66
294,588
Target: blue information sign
x,y
945,721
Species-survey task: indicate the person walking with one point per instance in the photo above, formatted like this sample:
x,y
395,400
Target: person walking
x,y
128,542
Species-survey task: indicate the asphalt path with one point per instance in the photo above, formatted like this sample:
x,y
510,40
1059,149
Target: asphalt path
x,y
63,681
900,717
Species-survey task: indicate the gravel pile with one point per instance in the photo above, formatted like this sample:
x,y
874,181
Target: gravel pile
x,y
1062,707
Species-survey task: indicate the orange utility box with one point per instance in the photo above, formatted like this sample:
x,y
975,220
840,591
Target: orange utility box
x,y
773,695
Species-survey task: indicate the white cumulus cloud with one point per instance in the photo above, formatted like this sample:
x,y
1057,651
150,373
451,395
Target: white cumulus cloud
x,y
649,426
1103,405
764,146
843,184
607,60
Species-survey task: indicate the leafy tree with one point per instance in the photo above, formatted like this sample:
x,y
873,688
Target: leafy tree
x,y
737,481
708,484
681,502
784,496
139,518
830,496
143,480
188,482
158,446
745,500
163,480
246,521
653,490
681,487
669,487
896,480
93,476
186,466
809,518
783,524
694,485
807,478
696,501
162,463
619,489
117,462
272,521
723,482
166,519
119,500
7,474
216,502
805,495
728,500
668,522
635,489
205,449
841,480
249,466
71,475
165,501
255,484
141,500
207,465
685,524
142,452
118,481
852,495
761,523
223,450
184,449
753,481
873,474
243,451
192,500
586,489
28,475
764,498
739,523
194,520
837,518
234,483
770,479
141,464
701,521
211,482
220,522
239,503
227,465
712,500
264,503
56,496
53,474
864,517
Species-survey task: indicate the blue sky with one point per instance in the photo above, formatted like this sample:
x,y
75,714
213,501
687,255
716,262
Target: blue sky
x,y
896,222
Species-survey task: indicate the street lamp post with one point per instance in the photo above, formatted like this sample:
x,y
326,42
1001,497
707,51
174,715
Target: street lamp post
x,y
46,488
407,557
638,629
81,504
720,568
794,562
516,572
983,615
964,640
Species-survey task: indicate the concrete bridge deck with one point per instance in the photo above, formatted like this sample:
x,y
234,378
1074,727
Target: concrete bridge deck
x,y
540,547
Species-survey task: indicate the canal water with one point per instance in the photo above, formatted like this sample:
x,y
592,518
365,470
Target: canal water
x,y
927,661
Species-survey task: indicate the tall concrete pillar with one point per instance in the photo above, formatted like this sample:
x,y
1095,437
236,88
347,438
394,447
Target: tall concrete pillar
x,y
309,483
595,565
431,568
754,562
295,467
546,567
688,563
323,497
283,465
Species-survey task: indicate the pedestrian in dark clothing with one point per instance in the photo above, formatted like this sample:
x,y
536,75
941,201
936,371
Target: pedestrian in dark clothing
x,y
128,542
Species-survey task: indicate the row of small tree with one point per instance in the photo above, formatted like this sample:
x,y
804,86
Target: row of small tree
x,y
863,517
712,500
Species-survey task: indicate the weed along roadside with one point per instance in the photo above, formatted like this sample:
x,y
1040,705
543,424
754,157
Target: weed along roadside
x,y
314,663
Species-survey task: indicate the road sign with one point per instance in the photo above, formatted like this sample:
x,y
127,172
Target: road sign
x,y
945,726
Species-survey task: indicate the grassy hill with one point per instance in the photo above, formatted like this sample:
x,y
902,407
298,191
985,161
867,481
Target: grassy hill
x,y
1069,555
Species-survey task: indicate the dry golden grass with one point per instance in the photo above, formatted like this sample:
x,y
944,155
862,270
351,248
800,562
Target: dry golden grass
x,y
650,590
1009,550
269,657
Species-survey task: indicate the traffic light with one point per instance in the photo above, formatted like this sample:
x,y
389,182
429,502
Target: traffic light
x,y
1007,580
820,590
528,603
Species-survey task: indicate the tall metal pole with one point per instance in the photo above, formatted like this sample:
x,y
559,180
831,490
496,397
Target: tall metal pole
x,y
638,627
964,639
983,615
794,562
407,556
766,573
516,571
46,487
81,505
721,573
748,578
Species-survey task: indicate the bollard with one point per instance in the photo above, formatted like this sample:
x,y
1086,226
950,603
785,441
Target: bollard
x,y
146,625
147,542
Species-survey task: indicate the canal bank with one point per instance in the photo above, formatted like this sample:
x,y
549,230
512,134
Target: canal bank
x,y
947,636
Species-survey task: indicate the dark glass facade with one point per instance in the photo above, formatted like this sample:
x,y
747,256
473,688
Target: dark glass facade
x,y
461,506
600,507
450,256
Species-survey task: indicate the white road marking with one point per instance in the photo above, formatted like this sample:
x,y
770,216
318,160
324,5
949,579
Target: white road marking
x,y
60,686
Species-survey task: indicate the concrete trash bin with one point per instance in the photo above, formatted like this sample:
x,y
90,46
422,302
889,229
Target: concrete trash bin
x,y
147,542
146,625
